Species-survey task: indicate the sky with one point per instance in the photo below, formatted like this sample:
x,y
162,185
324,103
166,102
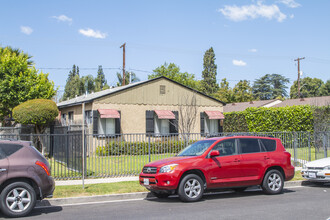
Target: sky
x,y
250,38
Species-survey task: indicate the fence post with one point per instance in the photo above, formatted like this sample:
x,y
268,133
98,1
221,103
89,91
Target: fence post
x,y
309,147
149,148
325,145
295,146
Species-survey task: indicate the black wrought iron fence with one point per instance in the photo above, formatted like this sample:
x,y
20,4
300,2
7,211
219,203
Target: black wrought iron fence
x,y
126,154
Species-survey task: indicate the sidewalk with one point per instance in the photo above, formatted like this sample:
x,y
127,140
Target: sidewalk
x,y
95,181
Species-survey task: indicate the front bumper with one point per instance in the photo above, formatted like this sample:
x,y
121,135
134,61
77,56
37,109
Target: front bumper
x,y
316,175
160,181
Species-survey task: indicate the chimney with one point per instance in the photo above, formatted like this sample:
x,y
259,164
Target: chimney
x,y
251,102
233,104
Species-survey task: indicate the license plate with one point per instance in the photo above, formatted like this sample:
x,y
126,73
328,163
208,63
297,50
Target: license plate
x,y
146,181
311,175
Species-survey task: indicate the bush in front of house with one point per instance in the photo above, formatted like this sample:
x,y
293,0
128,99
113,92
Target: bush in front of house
x,y
141,148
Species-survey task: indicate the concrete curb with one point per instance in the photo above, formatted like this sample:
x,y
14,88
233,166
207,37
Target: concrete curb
x,y
123,196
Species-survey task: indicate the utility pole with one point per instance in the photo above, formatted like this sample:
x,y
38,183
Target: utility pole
x,y
123,46
298,59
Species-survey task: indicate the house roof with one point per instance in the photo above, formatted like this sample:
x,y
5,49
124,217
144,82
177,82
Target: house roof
x,y
241,106
90,97
316,101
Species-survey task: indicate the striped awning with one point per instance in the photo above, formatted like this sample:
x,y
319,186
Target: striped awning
x,y
109,113
165,114
215,115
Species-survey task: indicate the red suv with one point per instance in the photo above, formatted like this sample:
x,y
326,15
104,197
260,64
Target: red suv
x,y
235,162
24,178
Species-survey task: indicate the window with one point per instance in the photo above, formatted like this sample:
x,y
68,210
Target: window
x,y
249,145
226,148
162,89
161,122
209,125
9,149
270,145
106,122
63,119
70,118
88,117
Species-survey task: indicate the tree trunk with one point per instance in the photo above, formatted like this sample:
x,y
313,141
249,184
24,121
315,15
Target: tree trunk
x,y
40,130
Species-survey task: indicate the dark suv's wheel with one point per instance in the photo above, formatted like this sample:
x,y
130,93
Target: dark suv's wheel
x,y
17,199
273,182
191,188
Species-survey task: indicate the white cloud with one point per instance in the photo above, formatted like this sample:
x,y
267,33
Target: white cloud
x,y
91,33
253,50
26,30
241,13
290,3
239,63
63,18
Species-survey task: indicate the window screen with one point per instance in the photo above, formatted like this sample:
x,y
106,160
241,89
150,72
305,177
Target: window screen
x,y
270,145
9,149
249,145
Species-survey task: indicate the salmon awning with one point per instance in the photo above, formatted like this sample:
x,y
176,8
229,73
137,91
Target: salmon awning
x,y
165,114
215,115
109,113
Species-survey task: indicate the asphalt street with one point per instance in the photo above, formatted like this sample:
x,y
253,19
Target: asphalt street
x,y
309,202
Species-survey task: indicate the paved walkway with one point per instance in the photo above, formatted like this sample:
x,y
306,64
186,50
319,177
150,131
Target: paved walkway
x,y
94,181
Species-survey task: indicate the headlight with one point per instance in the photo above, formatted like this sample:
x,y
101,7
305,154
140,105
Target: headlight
x,y
167,168
326,168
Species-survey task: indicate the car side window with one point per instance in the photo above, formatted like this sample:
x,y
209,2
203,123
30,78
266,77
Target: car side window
x,y
9,149
270,145
226,147
249,145
2,154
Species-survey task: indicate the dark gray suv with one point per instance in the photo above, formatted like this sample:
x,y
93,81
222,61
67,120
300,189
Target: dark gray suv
x,y
24,177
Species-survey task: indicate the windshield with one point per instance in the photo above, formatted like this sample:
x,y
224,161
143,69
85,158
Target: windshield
x,y
197,148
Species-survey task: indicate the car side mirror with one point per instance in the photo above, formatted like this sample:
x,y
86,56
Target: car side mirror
x,y
214,153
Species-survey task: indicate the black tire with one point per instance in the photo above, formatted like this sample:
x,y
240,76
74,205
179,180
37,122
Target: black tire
x,y
273,182
20,193
161,195
191,188
240,189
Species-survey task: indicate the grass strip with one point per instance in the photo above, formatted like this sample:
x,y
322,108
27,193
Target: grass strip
x,y
98,189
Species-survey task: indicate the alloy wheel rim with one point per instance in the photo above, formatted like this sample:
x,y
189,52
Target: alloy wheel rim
x,y
274,182
192,188
18,200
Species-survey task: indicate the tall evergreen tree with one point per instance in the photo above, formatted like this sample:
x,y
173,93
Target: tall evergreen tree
x,y
100,81
209,83
261,88
130,77
73,86
279,87
243,91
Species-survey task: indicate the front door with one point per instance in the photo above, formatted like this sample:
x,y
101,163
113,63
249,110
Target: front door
x,y
224,170
3,167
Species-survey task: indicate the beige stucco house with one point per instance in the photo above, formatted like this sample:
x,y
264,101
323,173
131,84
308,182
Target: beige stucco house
x,y
151,106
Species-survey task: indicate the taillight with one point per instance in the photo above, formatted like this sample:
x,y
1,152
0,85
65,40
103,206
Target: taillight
x,y
43,166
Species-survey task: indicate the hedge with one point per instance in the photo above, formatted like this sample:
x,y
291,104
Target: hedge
x,y
292,118
140,148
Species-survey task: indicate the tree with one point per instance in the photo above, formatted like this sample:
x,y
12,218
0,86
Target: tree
x,y
129,77
88,84
243,91
100,81
261,88
172,72
325,89
225,93
270,86
39,112
19,82
74,85
308,88
209,83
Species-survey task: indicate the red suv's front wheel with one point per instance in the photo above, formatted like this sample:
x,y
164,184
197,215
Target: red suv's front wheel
x,y
191,188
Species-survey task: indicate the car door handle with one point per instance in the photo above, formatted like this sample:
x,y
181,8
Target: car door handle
x,y
266,158
237,160
2,170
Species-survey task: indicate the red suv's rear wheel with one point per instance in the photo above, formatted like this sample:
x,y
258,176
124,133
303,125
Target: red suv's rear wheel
x,y
191,188
273,182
